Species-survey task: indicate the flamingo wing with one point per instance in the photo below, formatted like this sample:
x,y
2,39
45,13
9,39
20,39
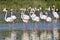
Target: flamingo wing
x,y
48,19
55,14
13,17
9,19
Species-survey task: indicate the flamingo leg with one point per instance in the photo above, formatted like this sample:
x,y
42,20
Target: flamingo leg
x,y
9,29
56,27
36,26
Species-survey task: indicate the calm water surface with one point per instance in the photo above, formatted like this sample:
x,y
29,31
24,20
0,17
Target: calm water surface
x,y
19,26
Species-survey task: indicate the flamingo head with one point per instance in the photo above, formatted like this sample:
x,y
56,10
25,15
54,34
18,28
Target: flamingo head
x,y
53,6
56,9
40,8
52,9
29,8
11,9
4,10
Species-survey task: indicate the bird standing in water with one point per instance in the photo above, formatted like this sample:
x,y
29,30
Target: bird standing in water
x,y
25,19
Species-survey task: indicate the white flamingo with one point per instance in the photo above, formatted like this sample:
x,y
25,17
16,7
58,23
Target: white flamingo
x,y
13,16
55,30
9,19
42,16
33,16
44,35
33,35
55,14
25,19
13,33
49,34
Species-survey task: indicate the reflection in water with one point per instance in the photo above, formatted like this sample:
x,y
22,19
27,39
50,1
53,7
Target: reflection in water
x,y
55,30
49,36
43,35
34,36
12,37
56,34
25,36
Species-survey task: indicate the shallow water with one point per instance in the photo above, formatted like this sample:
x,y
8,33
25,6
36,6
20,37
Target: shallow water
x,y
30,25
19,26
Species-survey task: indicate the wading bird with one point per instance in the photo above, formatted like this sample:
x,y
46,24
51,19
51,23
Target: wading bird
x,y
48,20
55,30
35,18
9,20
25,19
45,35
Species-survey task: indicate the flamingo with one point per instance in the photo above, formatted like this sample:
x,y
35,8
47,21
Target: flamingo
x,y
55,14
13,33
49,35
42,16
44,35
9,19
55,30
13,16
33,16
33,34
48,19
25,19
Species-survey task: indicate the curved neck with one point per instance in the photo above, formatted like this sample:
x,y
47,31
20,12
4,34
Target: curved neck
x,y
11,13
22,13
6,16
31,13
